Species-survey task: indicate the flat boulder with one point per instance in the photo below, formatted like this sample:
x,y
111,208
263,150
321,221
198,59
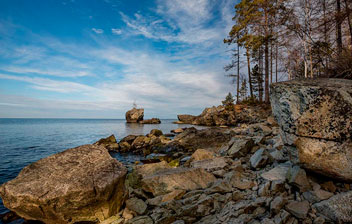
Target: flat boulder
x,y
77,185
316,116
166,181
134,115
201,154
193,139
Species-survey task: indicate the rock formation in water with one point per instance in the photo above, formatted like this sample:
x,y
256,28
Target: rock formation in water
x,y
134,115
316,116
137,115
79,184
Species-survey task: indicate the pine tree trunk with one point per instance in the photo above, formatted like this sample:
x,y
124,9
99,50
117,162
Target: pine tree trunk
x,y
238,74
249,72
338,27
266,49
348,13
276,55
326,39
271,62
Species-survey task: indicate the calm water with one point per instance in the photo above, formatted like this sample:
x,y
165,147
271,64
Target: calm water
x,y
23,141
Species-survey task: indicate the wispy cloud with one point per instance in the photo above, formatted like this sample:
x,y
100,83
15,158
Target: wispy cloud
x,y
52,85
180,21
50,72
116,31
98,31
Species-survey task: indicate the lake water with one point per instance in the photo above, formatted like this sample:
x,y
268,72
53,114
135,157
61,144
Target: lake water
x,y
23,141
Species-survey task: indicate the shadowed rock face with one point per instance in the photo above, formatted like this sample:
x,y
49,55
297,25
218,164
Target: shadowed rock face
x,y
79,184
316,115
134,115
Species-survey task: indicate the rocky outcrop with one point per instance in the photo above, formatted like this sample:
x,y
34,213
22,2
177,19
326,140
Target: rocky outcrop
x,y
140,144
79,184
151,121
222,116
109,143
134,115
316,116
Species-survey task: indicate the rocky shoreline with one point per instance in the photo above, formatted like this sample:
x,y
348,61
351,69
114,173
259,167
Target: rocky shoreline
x,y
289,167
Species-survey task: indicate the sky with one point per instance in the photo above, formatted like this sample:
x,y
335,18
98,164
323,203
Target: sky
x,y
95,58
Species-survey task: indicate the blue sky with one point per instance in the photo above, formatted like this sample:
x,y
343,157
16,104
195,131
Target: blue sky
x,y
93,59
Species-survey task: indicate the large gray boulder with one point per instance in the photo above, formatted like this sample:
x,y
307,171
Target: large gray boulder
x,y
79,184
316,116
134,115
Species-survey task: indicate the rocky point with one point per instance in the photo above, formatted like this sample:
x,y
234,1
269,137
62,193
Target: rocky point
x,y
257,171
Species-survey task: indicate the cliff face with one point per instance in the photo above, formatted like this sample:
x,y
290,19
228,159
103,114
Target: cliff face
x,y
316,116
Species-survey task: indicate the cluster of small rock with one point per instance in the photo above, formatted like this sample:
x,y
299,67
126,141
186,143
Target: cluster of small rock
x,y
250,179
138,144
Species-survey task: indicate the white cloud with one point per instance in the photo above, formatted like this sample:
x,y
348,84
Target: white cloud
x,y
116,31
50,72
98,31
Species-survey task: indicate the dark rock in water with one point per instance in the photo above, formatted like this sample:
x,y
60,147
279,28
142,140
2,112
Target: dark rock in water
x,y
316,115
177,130
156,132
9,217
134,115
109,143
79,184
169,135
129,139
151,121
